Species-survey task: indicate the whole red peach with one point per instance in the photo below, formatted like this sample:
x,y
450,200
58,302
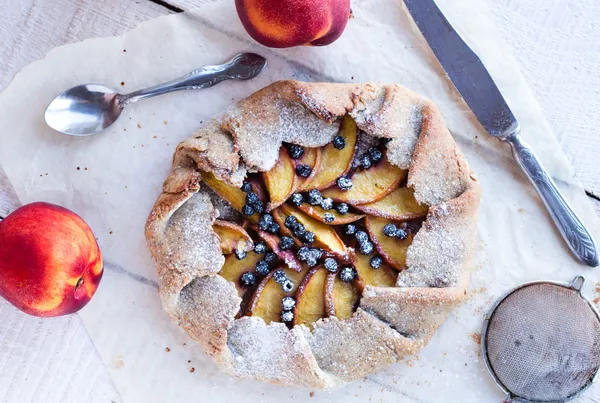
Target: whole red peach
x,y
287,23
50,262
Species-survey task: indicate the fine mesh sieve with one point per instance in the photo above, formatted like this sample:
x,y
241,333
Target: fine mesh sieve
x,y
541,342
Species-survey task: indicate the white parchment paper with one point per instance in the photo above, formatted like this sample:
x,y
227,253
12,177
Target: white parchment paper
x,y
113,179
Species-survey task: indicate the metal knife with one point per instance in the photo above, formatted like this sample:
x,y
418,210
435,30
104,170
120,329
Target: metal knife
x,y
478,89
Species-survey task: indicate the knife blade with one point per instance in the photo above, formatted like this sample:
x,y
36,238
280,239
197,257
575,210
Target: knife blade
x,y
470,77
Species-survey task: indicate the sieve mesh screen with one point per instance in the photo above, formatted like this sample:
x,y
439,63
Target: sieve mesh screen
x,y
543,342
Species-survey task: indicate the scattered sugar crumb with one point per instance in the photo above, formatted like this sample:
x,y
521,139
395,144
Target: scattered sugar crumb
x,y
167,349
312,394
192,369
139,126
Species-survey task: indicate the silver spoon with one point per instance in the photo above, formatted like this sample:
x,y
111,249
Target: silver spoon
x,y
88,109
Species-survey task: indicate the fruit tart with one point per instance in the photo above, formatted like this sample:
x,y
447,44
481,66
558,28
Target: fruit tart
x,y
315,232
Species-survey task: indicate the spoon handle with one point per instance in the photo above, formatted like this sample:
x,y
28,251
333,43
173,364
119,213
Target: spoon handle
x,y
242,67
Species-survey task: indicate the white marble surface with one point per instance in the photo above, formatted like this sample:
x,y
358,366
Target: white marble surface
x,y
53,360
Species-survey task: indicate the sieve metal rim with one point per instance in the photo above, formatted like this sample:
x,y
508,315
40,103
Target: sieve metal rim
x,y
575,285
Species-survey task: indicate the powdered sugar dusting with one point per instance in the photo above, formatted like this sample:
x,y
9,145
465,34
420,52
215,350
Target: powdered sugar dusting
x,y
435,257
273,352
193,245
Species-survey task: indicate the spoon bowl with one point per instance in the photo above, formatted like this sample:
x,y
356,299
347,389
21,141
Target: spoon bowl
x,y
83,110
88,109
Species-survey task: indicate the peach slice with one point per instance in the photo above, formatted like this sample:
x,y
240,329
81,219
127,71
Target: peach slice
x,y
398,205
384,276
311,157
391,249
310,297
288,256
232,237
325,236
280,181
233,269
266,300
318,213
369,185
334,162
341,298
236,197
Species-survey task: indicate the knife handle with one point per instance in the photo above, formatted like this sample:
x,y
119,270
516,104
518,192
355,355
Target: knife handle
x,y
572,229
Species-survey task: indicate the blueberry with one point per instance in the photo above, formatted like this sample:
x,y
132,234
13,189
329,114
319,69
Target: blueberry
x,y
366,248
259,207
350,229
262,267
251,198
331,265
246,187
270,258
297,199
365,161
260,247
342,208
347,274
299,229
303,253
296,151
328,217
375,155
362,237
303,170
327,204
311,261
390,230
290,221
274,228
240,254
376,262
287,316
279,276
248,278
339,142
286,242
314,197
247,210
316,253
308,238
313,256
287,286
344,183
401,234
288,303
265,221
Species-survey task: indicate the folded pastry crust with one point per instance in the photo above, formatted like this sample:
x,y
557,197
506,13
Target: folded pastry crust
x,y
390,323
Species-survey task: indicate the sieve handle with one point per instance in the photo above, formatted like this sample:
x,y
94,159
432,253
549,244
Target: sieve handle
x,y
572,229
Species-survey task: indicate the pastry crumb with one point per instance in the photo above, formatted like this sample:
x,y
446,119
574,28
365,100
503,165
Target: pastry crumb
x,y
167,349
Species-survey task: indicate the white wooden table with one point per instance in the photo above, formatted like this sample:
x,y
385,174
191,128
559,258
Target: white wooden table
x,y
557,43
